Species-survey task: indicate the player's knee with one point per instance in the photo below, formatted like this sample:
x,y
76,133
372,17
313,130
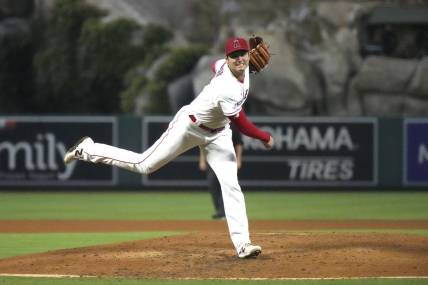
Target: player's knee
x,y
231,186
144,169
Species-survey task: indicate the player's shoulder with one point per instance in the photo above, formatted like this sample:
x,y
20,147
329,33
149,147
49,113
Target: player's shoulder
x,y
225,80
218,66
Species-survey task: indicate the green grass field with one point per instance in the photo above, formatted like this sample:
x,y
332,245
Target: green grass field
x,y
197,206
190,206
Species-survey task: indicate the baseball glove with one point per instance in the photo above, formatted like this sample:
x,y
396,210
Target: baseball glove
x,y
259,54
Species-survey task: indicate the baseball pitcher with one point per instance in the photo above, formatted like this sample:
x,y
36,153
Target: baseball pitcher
x,y
204,123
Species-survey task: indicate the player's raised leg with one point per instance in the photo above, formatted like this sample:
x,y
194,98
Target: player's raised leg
x,y
174,141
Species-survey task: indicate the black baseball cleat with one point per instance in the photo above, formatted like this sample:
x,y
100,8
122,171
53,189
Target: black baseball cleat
x,y
218,216
76,151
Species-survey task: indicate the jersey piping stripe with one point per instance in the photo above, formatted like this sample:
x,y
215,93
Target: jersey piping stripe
x,y
163,138
159,142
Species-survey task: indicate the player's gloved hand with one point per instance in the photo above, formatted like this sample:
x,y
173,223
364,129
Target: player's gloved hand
x,y
270,143
259,54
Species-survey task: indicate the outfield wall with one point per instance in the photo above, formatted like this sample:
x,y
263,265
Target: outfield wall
x,y
310,152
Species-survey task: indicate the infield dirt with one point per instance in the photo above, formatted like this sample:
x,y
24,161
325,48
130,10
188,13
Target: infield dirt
x,y
291,249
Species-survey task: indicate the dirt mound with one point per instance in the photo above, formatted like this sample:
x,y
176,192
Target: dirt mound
x,y
210,255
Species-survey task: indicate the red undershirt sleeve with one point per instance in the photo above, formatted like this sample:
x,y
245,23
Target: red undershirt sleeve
x,y
213,67
246,127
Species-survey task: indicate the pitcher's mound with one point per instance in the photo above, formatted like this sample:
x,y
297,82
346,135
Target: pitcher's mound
x,y
210,255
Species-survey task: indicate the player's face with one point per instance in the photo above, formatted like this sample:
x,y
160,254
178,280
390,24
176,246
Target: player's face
x,y
238,61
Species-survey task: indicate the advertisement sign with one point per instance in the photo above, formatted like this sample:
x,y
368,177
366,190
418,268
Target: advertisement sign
x,y
415,152
313,152
307,152
32,150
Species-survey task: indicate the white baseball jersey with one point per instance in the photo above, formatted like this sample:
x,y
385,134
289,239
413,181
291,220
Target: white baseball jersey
x,y
221,98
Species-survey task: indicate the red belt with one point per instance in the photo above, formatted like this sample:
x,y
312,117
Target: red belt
x,y
202,126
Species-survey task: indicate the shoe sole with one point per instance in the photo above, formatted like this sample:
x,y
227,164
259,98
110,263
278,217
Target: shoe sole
x,y
253,254
71,149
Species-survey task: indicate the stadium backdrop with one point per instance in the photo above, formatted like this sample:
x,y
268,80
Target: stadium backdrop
x,y
318,152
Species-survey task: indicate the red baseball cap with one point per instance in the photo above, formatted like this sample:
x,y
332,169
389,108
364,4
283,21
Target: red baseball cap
x,y
235,44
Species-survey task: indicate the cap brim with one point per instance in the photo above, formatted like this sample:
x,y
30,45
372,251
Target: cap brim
x,y
241,49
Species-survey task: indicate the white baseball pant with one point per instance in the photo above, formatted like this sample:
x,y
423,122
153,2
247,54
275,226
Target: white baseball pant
x,y
183,134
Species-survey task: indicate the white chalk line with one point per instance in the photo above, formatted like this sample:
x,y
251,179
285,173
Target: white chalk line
x,y
46,275
194,278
